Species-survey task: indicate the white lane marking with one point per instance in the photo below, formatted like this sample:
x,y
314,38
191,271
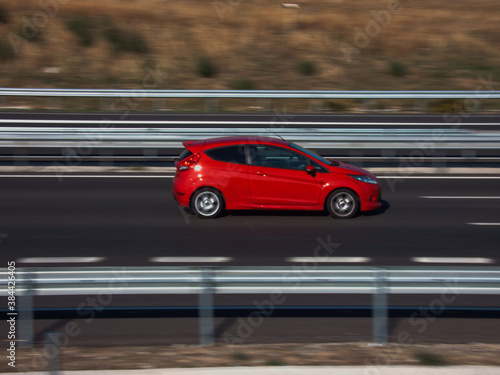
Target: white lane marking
x,y
190,259
61,260
170,122
457,197
403,177
76,176
484,224
452,260
328,259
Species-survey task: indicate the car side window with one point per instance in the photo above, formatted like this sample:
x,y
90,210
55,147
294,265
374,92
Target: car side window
x,y
228,154
275,157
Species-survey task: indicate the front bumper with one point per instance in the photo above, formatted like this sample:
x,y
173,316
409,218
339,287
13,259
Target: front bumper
x,y
371,199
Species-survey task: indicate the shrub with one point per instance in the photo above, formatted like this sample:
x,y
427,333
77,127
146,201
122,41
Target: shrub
x,y
82,28
29,33
4,16
240,356
447,106
206,68
307,68
430,359
243,84
6,51
336,106
397,69
125,40
274,362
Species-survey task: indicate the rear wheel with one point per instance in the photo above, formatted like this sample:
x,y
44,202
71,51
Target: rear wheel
x,y
207,203
342,204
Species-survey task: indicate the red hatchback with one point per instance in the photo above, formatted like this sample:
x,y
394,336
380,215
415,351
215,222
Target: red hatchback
x,y
236,173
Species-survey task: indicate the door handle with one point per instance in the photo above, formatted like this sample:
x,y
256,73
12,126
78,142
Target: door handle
x,y
260,173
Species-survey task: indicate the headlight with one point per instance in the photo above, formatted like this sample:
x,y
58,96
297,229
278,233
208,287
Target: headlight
x,y
364,178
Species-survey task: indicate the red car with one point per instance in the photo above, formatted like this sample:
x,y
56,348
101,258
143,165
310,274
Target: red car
x,y
248,172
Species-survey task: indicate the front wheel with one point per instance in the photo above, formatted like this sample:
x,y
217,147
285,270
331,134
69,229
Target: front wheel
x,y
207,203
342,204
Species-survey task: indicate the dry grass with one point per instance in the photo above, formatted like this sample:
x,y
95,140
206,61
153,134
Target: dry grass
x,y
335,354
442,44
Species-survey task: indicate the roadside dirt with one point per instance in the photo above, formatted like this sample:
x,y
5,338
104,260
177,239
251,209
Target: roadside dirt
x,y
139,357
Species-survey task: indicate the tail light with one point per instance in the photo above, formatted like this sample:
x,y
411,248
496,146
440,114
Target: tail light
x,y
188,163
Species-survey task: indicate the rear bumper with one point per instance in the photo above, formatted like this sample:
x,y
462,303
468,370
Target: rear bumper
x,y
180,192
182,199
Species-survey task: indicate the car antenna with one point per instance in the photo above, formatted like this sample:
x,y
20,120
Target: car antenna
x,y
277,135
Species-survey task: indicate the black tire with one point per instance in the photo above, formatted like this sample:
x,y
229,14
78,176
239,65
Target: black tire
x,y
207,203
342,204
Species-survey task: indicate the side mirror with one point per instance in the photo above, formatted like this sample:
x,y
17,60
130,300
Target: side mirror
x,y
310,169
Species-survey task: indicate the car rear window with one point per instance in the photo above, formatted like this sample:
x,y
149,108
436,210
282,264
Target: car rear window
x,y
185,154
229,154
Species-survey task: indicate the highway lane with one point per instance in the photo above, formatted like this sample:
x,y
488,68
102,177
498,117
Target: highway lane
x,y
128,221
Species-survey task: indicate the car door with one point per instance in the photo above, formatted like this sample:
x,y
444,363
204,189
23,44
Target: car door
x,y
229,173
277,176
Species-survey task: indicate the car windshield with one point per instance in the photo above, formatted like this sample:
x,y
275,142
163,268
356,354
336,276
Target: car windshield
x,y
310,153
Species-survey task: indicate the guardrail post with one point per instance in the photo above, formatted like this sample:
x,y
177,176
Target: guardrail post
x,y
106,104
369,104
211,105
205,307
379,308
26,328
159,104
264,105
54,102
49,338
421,105
316,105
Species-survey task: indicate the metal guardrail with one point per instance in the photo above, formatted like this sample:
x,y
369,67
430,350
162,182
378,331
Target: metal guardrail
x,y
315,138
228,280
262,94
206,281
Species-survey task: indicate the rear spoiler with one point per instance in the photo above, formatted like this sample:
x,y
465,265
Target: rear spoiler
x,y
194,146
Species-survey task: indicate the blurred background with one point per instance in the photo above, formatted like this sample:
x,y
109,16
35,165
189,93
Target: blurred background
x,y
249,44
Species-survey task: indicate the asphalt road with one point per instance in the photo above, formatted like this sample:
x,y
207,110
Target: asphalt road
x,y
125,221
131,220
128,221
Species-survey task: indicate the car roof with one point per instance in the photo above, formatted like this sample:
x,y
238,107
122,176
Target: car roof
x,y
228,141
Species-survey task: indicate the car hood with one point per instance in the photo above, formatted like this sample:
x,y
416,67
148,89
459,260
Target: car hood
x,y
349,169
